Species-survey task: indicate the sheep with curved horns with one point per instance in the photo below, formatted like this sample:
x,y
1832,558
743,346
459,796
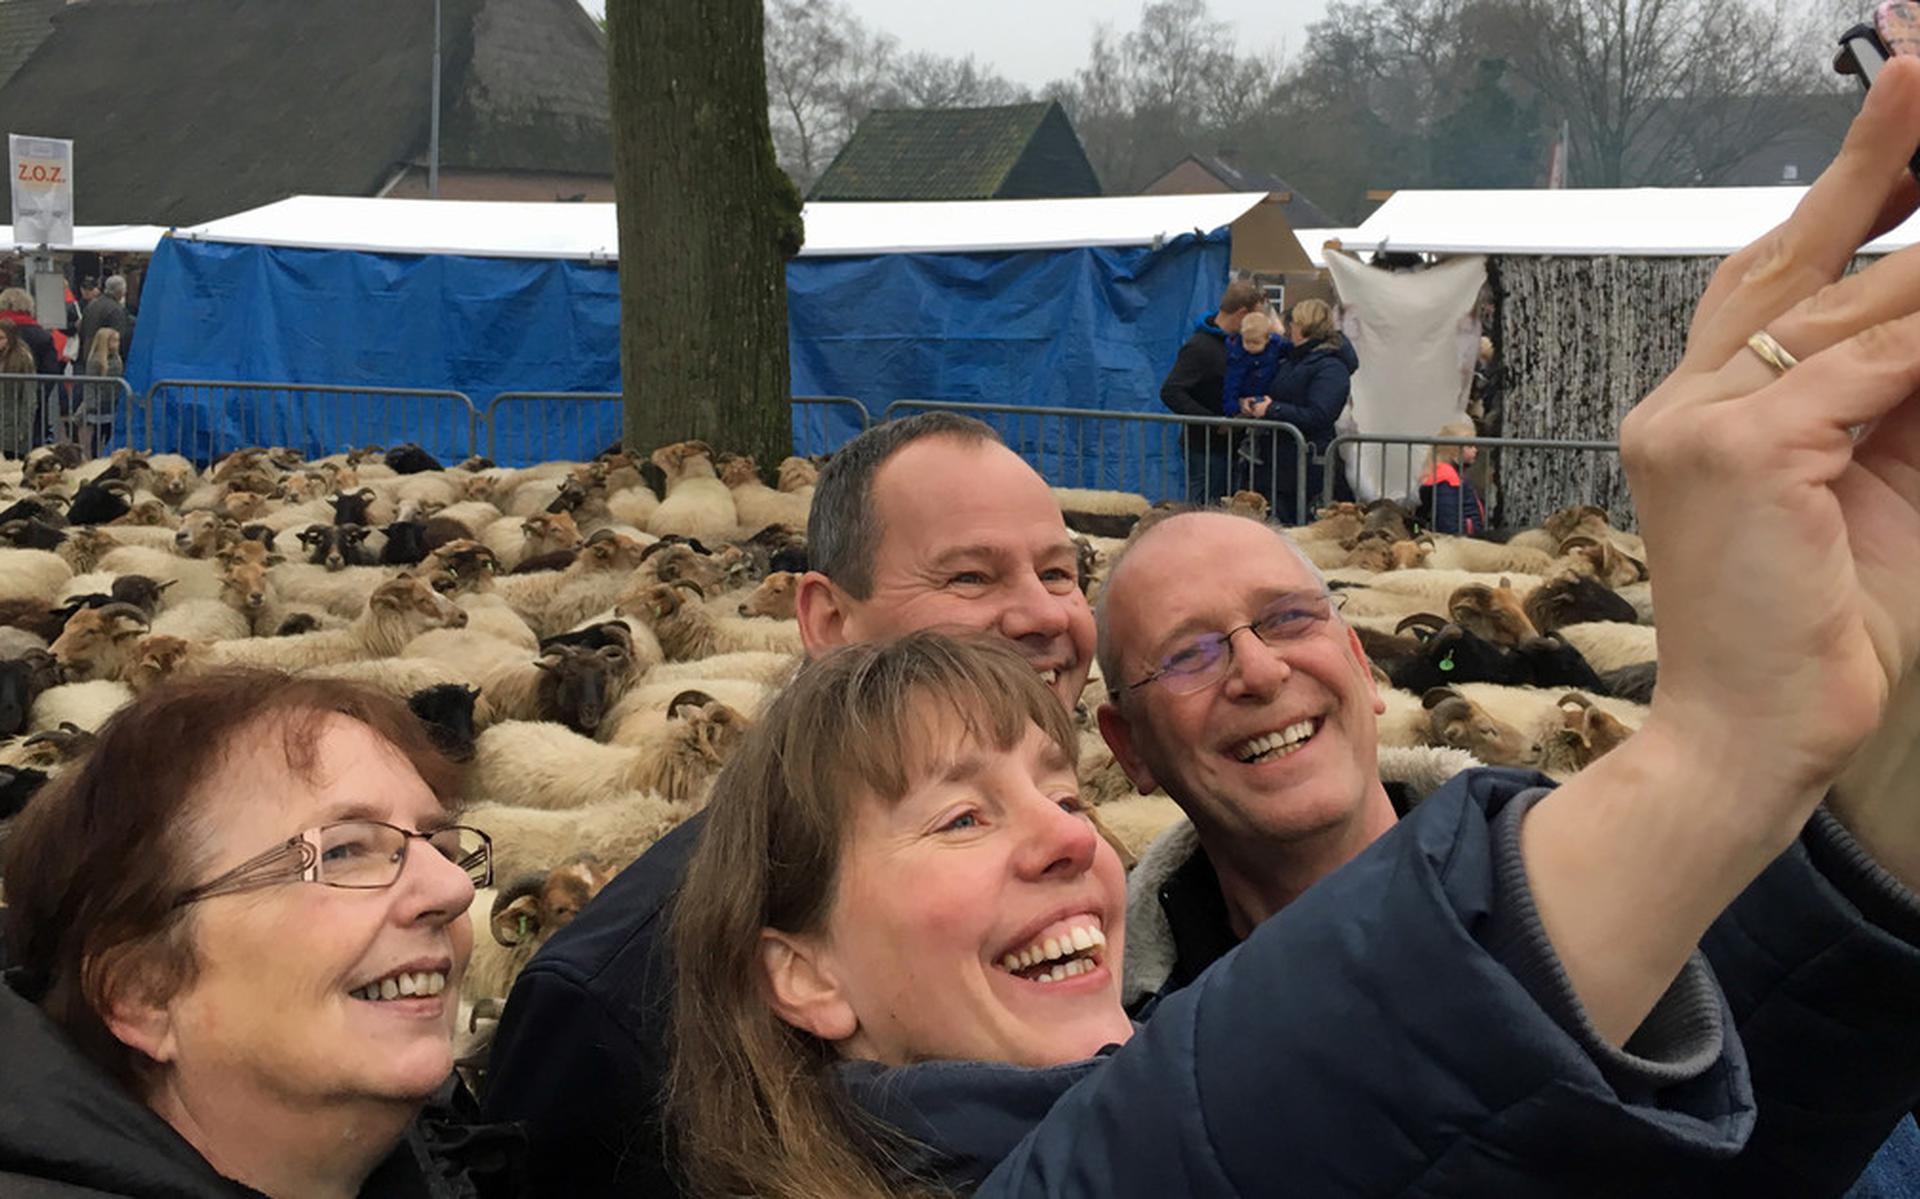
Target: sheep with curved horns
x,y
543,765
521,917
554,602
687,630
100,643
614,831
569,685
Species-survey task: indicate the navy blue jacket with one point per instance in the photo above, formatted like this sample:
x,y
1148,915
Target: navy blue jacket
x,y
1436,1048
581,1052
1249,374
1311,390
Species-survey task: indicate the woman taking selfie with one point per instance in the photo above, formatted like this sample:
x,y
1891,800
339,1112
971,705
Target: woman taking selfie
x,y
898,938
239,928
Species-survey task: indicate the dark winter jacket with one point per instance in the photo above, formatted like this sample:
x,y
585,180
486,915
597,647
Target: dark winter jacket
x,y
67,1130
1312,389
581,1052
1192,387
1807,958
46,354
1249,375
105,312
1450,503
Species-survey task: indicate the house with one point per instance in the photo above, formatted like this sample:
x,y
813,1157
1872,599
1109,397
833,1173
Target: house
x,y
24,24
1008,152
185,110
1201,173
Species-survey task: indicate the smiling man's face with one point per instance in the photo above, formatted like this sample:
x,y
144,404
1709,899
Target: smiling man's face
x,y
1215,749
971,541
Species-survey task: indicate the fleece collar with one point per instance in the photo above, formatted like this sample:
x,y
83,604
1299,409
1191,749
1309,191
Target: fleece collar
x,y
1151,953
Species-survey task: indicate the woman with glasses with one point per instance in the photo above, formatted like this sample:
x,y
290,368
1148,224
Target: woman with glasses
x,y
239,928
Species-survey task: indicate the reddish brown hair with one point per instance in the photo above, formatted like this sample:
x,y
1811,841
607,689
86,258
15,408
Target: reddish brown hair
x,y
99,858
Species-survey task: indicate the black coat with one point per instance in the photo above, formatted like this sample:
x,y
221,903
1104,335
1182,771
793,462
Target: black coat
x,y
1192,386
581,1052
67,1130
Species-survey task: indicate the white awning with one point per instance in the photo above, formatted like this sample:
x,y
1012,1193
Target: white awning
x,y
1587,222
101,239
588,231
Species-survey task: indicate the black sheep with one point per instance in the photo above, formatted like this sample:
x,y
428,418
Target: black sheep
x,y
335,547
21,680
34,507
263,534
17,785
1554,663
1454,655
410,459
406,543
31,534
447,711
552,560
298,623
98,502
140,591
1633,682
594,636
350,507
790,558
1575,599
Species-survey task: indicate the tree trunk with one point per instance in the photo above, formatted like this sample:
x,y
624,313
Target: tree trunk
x,y
707,223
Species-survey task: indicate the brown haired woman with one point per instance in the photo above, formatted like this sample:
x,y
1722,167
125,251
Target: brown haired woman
x,y
239,928
16,396
899,942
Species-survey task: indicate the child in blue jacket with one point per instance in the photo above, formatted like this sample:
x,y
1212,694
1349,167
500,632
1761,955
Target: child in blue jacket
x,y
1253,360
1446,495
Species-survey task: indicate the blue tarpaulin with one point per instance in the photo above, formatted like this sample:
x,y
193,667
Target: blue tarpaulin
x,y
1085,328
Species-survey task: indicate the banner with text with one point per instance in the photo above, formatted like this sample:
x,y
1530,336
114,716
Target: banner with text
x,y
42,190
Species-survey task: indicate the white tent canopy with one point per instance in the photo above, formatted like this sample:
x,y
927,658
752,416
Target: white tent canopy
x,y
1587,222
588,231
101,239
1314,241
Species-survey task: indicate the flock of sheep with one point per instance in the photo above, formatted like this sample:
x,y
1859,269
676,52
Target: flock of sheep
x,y
594,637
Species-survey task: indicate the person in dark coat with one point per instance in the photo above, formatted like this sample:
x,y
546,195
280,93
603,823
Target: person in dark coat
x,y
239,928
1193,387
1311,390
923,522
108,310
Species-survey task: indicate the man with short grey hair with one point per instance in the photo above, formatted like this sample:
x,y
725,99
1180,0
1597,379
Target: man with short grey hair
x,y
107,310
924,523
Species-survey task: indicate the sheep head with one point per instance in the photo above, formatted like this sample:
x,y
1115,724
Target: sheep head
x,y
738,470
796,472
578,683
1457,721
549,532
406,606
1575,598
1585,734
471,564
98,643
685,460
244,586
1601,559
1494,613
158,656
85,546
1588,519
774,597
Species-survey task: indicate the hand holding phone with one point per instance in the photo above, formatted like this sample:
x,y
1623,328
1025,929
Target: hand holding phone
x,y
1865,49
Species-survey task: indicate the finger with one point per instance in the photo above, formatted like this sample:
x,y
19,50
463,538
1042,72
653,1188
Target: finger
x,y
1886,290
1851,198
1852,383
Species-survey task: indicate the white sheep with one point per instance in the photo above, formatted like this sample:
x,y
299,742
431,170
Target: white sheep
x,y
397,612
698,504
1610,645
632,505
87,705
645,709
206,620
612,831
1487,557
757,504
758,666
192,578
540,764
553,601
688,631
342,592
32,574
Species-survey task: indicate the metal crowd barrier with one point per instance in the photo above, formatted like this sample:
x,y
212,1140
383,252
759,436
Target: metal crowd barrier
x,y
1402,462
205,419
1159,455
540,426
36,410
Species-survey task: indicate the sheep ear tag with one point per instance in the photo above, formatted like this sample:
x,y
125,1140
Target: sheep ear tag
x,y
1446,663
523,926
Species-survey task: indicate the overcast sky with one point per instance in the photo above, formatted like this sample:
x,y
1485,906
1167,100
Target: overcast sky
x,y
1033,41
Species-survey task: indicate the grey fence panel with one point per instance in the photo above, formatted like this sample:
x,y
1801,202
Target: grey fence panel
x,y
1162,456
822,424
1399,463
37,410
207,418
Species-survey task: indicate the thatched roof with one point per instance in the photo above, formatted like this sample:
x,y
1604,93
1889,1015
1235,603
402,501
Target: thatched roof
x,y
186,110
1010,152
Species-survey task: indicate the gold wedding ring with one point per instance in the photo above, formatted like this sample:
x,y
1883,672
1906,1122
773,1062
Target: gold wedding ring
x,y
1771,352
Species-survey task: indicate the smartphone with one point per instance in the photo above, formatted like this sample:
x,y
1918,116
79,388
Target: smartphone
x,y
1865,49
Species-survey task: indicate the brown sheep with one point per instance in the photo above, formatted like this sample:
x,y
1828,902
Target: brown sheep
x,y
1494,613
1586,733
1454,720
687,630
775,596
100,643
